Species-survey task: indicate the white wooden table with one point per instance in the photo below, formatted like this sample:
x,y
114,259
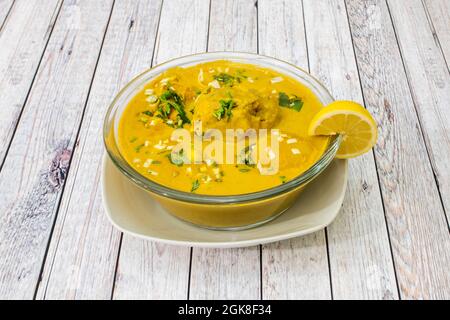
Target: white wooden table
x,y
61,64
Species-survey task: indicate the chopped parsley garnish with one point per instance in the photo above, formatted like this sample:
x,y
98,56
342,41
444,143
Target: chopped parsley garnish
x,y
294,103
297,104
163,111
283,99
224,78
144,120
138,148
156,162
171,100
224,110
228,80
195,185
244,169
133,139
246,156
283,179
240,75
148,113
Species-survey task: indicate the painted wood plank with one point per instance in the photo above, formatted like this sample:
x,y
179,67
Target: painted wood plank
x,y
358,244
149,270
23,40
288,269
439,17
5,7
82,256
417,226
228,273
183,29
35,169
429,80
296,268
233,26
225,274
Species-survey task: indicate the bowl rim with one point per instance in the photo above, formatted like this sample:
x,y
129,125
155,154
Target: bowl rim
x,y
320,165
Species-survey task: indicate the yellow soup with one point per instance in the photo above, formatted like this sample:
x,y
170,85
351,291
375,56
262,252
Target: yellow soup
x,y
223,95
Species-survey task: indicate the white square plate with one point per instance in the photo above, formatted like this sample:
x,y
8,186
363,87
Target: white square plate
x,y
133,211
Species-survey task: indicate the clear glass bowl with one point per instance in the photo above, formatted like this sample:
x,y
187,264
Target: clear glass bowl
x,y
228,212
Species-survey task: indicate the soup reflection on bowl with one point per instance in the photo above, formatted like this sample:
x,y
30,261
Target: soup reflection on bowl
x,y
220,139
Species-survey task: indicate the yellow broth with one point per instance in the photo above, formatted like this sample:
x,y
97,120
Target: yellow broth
x,y
223,95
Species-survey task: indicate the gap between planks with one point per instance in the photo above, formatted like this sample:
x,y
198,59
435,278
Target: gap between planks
x,y
128,39
88,96
420,261
5,10
432,153
35,194
74,149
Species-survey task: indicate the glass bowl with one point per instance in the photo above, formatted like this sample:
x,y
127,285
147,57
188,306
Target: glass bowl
x,y
228,212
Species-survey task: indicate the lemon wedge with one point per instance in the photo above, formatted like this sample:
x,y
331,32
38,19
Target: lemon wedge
x,y
352,121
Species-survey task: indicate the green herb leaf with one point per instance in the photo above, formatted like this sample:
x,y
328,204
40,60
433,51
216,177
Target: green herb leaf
x,y
240,75
294,103
283,99
148,113
171,100
224,78
283,179
219,113
156,162
195,185
181,113
133,139
224,110
297,104
246,156
144,120
244,169
138,148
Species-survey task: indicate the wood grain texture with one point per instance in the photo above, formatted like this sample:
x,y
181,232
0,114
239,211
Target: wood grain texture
x,y
183,30
23,40
35,169
5,7
417,225
225,274
358,244
429,80
439,18
150,270
62,62
233,26
296,268
229,273
82,256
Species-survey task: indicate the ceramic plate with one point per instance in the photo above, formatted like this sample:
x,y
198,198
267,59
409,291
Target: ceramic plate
x,y
133,211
